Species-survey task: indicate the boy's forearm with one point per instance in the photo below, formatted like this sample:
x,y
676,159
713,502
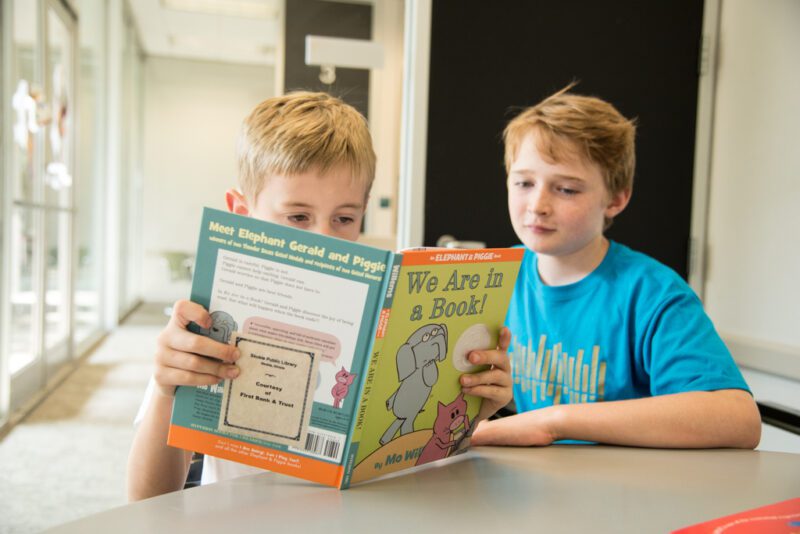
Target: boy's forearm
x,y
700,419
154,468
725,418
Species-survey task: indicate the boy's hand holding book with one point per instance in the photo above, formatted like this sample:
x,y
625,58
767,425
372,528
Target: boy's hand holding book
x,y
495,383
184,358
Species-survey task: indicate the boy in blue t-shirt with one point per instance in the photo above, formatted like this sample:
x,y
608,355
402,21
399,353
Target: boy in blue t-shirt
x,y
608,344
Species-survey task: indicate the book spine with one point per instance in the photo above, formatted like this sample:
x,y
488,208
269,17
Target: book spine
x,y
379,332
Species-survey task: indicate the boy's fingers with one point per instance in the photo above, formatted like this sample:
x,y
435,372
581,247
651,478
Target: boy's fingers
x,y
504,340
178,377
497,358
186,311
492,376
180,339
193,363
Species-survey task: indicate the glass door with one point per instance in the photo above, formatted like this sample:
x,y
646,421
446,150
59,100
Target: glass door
x,y
58,184
38,74
23,151
89,183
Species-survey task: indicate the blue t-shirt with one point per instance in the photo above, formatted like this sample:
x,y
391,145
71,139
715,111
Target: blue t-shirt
x,y
632,328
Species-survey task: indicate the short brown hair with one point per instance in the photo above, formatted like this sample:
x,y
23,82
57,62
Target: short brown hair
x,y
566,123
299,132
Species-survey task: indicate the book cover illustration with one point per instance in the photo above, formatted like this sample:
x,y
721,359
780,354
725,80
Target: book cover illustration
x,y
444,304
778,518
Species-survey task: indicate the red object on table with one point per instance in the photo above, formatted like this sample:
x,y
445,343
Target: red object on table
x,y
779,518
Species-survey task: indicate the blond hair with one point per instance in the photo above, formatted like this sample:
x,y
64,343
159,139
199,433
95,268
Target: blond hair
x,y
569,125
300,132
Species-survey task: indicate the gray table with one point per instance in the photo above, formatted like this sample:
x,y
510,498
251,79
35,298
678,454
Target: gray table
x,y
554,489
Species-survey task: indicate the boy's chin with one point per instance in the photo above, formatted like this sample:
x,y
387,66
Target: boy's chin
x,y
543,249
535,245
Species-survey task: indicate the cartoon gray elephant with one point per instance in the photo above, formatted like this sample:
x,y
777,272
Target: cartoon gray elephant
x,y
417,372
222,326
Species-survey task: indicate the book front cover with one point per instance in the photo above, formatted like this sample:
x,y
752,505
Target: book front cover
x,y
445,304
302,308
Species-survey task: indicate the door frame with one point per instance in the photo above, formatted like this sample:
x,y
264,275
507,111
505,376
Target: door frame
x,y
414,124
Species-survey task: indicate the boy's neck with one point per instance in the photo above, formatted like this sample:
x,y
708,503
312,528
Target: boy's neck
x,y
572,268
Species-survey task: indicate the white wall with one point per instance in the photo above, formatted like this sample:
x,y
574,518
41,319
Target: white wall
x,y
192,112
753,279
385,103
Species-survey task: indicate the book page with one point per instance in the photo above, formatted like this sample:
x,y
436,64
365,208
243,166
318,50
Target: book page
x,y
271,398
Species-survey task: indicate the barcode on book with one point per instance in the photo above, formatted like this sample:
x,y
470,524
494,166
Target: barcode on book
x,y
323,444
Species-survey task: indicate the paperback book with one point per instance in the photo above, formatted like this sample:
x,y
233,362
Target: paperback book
x,y
350,355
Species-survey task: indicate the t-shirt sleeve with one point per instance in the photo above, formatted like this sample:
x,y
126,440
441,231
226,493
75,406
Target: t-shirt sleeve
x,y
683,351
148,396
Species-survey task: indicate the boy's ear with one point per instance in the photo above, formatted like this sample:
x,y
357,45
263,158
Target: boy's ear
x,y
618,203
236,202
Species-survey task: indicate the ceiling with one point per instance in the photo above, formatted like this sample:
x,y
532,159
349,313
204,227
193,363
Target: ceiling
x,y
231,31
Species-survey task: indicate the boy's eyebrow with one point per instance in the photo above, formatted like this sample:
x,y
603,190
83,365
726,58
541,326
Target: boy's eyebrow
x,y
353,205
526,172
570,178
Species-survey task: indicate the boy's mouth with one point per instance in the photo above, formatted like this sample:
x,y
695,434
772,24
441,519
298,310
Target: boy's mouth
x,y
539,229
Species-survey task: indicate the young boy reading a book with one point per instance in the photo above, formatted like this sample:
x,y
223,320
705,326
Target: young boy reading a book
x,y
608,344
305,160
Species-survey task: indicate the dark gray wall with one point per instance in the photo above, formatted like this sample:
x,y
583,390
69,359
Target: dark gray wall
x,y
329,19
488,61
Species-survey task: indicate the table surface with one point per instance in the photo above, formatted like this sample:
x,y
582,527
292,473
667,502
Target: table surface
x,y
562,488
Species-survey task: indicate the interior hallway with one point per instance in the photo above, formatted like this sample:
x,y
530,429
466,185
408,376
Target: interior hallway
x,y
67,458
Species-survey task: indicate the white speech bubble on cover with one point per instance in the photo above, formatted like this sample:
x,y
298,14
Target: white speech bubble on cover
x,y
476,337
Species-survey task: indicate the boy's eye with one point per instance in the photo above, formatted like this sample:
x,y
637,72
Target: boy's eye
x,y
523,184
567,191
343,219
298,218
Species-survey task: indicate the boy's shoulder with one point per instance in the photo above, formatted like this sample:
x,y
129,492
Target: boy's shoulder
x,y
623,264
624,275
644,274
634,261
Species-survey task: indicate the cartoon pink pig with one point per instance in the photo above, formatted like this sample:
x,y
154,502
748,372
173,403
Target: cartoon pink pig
x,y
343,382
450,425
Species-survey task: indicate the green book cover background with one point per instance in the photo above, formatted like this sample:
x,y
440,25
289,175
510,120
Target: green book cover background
x,y
460,295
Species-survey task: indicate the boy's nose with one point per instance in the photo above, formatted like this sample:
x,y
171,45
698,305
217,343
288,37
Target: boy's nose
x,y
539,203
325,228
